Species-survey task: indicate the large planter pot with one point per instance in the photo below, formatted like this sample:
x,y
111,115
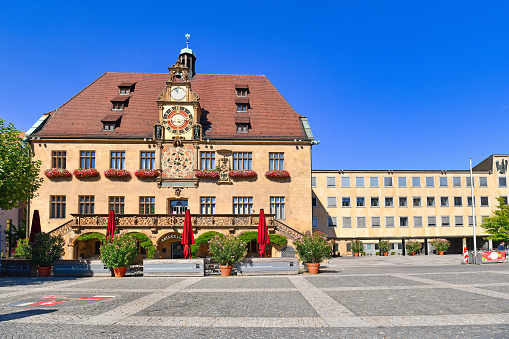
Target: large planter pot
x,y
313,268
356,254
44,271
386,254
119,271
226,270
440,252
412,253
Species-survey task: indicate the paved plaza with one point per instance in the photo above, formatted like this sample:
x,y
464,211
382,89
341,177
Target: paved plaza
x,y
369,297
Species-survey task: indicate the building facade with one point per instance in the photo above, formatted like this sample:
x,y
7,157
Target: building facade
x,y
399,205
151,145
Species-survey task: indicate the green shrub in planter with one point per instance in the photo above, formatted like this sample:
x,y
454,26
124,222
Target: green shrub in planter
x,y
357,246
227,250
384,246
412,245
440,244
363,253
313,247
43,251
393,253
119,250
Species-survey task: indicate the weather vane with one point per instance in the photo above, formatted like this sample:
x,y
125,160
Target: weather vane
x,y
187,37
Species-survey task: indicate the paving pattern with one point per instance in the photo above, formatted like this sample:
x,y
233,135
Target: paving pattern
x,y
371,297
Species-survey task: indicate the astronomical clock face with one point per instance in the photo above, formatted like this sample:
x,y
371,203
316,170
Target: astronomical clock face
x,y
178,93
178,120
178,162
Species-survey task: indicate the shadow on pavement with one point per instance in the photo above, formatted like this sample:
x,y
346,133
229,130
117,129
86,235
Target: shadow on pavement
x,y
23,314
22,281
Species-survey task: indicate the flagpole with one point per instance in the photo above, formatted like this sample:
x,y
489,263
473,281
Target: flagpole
x,y
473,208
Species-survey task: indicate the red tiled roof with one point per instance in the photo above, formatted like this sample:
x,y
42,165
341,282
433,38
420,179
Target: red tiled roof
x,y
126,84
270,114
242,118
120,98
242,100
111,117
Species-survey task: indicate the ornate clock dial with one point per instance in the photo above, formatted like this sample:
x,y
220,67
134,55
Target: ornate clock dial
x,y
178,120
178,162
178,93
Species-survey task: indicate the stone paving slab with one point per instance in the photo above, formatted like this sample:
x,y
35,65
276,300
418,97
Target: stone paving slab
x,y
134,282
472,278
237,283
359,281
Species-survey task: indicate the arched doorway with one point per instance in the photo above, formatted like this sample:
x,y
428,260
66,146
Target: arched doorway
x,y
87,246
169,246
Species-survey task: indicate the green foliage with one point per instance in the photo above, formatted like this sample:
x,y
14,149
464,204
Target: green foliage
x,y
43,251
357,246
17,232
89,236
384,246
412,245
498,225
146,243
247,237
202,239
119,250
227,250
440,244
275,239
313,248
279,240
19,176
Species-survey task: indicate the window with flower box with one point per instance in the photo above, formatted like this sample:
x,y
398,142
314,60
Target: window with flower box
x,y
117,204
86,204
242,205
208,160
147,205
58,159
147,160
57,207
277,207
276,161
117,159
87,159
208,205
242,161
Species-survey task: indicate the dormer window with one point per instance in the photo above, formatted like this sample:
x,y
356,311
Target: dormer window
x,y
242,128
118,105
242,108
242,122
124,90
110,122
108,126
241,90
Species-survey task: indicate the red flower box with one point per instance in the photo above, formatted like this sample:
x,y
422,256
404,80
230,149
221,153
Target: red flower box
x,y
85,173
207,174
117,173
242,174
146,173
277,174
57,173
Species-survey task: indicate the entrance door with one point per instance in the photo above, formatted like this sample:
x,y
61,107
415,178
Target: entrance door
x,y
177,250
178,206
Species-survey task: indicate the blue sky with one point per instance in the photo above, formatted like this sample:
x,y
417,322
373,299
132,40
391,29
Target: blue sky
x,y
384,84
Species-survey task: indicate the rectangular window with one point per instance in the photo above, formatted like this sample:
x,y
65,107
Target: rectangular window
x,y
117,204
458,201
401,181
208,205
314,202
147,205
502,182
403,221
416,201
389,222
147,160
458,221
470,221
432,221
242,205
345,201
443,181
417,221
430,182
242,108
361,202
87,159
118,105
373,182
332,222
430,201
276,161
345,181
375,222
108,126
313,181
242,161
315,222
484,201
468,181
117,159
416,182
483,218
389,202
277,207
208,160
504,199
331,181
483,182
242,128
387,181
331,202
86,204
359,181
58,159
361,222
456,181
403,202
375,202
347,222
241,92
124,90
469,202
444,201
57,207
445,222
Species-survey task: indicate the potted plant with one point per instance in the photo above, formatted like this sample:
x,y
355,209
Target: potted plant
x,y
117,173
207,174
227,251
357,247
42,252
118,252
441,245
85,173
277,174
412,246
57,173
242,174
146,173
384,246
313,248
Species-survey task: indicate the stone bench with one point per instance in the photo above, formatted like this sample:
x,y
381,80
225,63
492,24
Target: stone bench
x,y
268,266
173,267
17,268
80,268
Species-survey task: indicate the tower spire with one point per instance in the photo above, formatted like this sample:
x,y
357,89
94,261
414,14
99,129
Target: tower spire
x,y
187,37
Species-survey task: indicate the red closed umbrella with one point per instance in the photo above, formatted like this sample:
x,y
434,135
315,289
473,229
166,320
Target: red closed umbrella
x,y
263,234
36,226
112,226
187,235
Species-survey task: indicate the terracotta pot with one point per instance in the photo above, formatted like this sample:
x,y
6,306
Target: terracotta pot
x,y
44,271
386,254
119,271
313,268
412,253
356,254
226,271
440,252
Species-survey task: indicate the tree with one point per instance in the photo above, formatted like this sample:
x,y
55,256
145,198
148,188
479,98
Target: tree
x,y
19,175
17,232
498,224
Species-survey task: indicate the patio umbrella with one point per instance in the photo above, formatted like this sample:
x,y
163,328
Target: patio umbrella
x,y
112,226
187,235
36,226
263,234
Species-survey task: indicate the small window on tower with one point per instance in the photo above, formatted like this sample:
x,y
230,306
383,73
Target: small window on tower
x,y
242,107
242,128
